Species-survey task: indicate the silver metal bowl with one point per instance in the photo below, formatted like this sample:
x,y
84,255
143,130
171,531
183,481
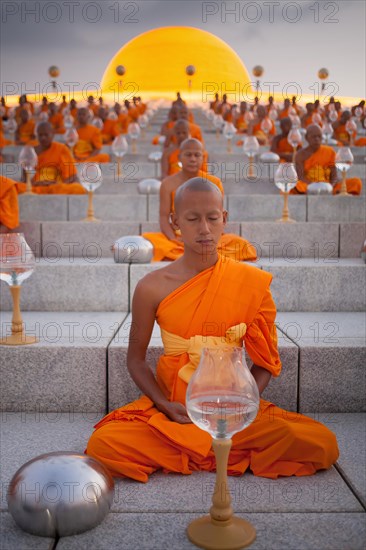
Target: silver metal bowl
x,y
149,186
133,249
60,494
269,157
320,188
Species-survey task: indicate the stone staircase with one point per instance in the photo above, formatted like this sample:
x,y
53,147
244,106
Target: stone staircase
x,y
78,304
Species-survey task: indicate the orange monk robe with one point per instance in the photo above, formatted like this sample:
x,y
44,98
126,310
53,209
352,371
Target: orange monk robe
x,y
123,122
342,136
309,121
55,164
89,137
9,208
318,168
191,118
142,108
74,112
110,130
284,113
174,163
57,122
194,132
283,146
62,106
27,132
137,439
241,124
230,245
133,113
44,109
260,135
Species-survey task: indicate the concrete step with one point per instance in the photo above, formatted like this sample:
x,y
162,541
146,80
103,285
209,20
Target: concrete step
x,y
241,207
143,514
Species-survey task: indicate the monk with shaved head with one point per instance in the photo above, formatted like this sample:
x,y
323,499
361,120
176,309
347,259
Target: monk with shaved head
x,y
316,163
56,170
203,300
170,163
168,244
90,141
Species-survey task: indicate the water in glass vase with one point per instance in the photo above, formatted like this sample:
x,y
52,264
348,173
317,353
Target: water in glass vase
x,y
222,417
14,276
343,166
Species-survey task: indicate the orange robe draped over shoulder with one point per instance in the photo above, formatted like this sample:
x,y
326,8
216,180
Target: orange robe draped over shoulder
x,y
90,138
230,245
318,168
341,135
55,164
26,133
9,207
136,439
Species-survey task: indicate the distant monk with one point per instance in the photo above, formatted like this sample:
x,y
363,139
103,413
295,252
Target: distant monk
x,y
44,105
56,172
73,109
215,102
255,127
169,124
92,105
25,133
241,123
341,134
110,128
307,119
168,244
9,208
123,119
90,141
179,101
316,162
56,119
280,144
170,163
285,112
194,129
63,104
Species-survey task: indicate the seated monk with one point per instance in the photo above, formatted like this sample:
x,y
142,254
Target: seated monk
x,y
255,126
285,112
110,127
73,109
170,163
9,207
56,119
90,141
307,119
44,105
25,133
94,107
241,122
169,124
123,119
168,245
211,301
316,162
280,144
56,171
194,129
341,134
132,111
63,104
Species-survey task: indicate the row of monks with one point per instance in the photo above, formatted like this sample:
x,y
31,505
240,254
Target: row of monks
x,y
56,171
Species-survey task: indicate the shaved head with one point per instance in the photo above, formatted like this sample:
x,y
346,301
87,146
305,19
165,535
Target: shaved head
x,y
181,122
190,141
44,127
195,185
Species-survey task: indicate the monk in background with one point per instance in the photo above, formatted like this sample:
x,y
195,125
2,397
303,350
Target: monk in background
x,y
255,127
204,300
280,144
9,207
168,244
56,172
341,134
241,123
110,128
56,119
316,162
170,163
194,130
90,141
123,119
25,133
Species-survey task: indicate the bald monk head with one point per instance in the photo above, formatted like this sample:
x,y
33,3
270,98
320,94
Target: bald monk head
x,y
52,108
309,108
286,103
345,117
102,113
72,104
181,130
243,107
183,112
45,135
191,156
261,112
83,116
286,125
196,185
314,137
173,113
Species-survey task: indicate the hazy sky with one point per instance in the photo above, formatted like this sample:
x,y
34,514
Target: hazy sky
x,y
292,40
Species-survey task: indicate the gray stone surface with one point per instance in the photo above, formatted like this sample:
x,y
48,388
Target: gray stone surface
x,y
83,239
350,430
43,207
352,237
66,369
110,208
146,227
10,170
295,240
153,208
324,284
332,359
80,284
275,531
13,538
264,207
336,209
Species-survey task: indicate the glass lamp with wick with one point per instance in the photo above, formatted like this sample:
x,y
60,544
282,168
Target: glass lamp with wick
x,y
285,179
251,148
28,161
133,131
71,139
344,161
327,131
229,132
295,139
119,148
218,123
11,128
351,129
155,157
222,398
90,176
143,122
266,126
16,265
